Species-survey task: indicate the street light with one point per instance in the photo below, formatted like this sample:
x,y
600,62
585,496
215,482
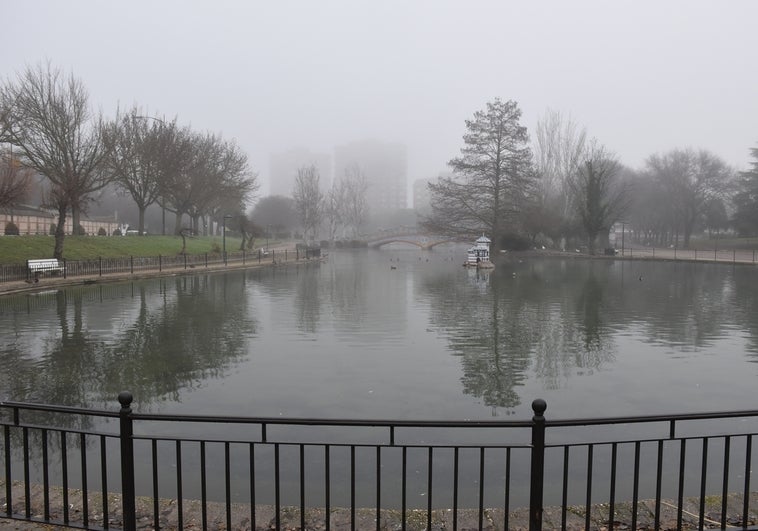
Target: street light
x,y
623,230
223,235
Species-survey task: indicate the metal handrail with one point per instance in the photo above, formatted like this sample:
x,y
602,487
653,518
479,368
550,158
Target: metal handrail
x,y
536,464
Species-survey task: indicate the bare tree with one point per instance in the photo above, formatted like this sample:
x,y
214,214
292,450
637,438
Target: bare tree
x,y
690,181
492,177
236,183
558,146
141,150
600,196
355,206
14,180
47,116
334,208
308,200
213,179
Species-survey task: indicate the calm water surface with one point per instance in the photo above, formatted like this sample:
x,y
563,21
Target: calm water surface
x,y
395,334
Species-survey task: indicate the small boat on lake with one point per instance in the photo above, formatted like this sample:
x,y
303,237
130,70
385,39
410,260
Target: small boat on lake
x,y
478,256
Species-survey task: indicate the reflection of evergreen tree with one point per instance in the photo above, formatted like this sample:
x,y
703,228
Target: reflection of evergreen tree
x,y
745,293
526,317
482,331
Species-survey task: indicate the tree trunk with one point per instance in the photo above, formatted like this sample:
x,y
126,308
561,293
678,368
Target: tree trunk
x,y
591,237
60,232
141,222
603,239
76,214
178,223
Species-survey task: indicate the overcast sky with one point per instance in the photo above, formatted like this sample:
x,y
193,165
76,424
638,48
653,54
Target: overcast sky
x,y
642,76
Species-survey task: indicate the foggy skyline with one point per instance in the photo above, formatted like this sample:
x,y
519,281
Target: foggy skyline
x,y
642,77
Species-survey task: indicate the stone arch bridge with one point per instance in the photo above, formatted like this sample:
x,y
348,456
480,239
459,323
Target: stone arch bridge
x,y
408,235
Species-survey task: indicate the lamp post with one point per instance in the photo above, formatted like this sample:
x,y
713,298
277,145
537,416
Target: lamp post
x,y
623,230
223,235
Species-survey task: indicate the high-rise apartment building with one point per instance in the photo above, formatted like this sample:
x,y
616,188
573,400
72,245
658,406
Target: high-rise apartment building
x,y
385,166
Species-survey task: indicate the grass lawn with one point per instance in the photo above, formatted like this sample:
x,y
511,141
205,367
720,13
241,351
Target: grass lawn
x,y
18,249
724,243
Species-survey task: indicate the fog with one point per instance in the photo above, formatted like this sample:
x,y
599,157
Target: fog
x,y
642,76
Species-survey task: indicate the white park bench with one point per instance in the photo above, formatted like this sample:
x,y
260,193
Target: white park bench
x,y
44,265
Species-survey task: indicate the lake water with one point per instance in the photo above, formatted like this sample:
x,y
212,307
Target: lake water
x,y
392,334
396,334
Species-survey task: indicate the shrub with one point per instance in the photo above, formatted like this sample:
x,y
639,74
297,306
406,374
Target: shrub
x,y
215,248
11,229
101,232
117,232
515,242
79,231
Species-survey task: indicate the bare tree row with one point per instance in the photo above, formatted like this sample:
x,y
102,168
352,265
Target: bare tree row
x,y
674,194
343,208
46,117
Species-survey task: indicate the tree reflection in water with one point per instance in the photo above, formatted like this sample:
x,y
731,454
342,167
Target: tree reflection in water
x,y
151,343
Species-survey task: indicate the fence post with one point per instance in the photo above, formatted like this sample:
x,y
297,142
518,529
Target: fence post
x,y
285,255
65,269
127,461
160,263
131,264
537,476
100,265
243,257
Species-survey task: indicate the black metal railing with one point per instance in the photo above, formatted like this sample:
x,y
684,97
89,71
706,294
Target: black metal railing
x,y
99,267
99,469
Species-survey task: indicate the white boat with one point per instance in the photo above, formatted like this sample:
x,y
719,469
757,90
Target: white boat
x,y
479,255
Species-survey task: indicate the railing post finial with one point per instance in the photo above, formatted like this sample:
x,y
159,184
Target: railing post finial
x,y
539,406
125,398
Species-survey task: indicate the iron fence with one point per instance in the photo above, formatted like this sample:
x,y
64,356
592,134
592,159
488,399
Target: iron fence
x,y
99,267
735,256
99,469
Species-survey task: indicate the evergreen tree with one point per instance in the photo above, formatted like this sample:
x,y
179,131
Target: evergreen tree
x,y
745,217
492,178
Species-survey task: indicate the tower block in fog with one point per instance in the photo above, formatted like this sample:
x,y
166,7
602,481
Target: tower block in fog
x,y
384,166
